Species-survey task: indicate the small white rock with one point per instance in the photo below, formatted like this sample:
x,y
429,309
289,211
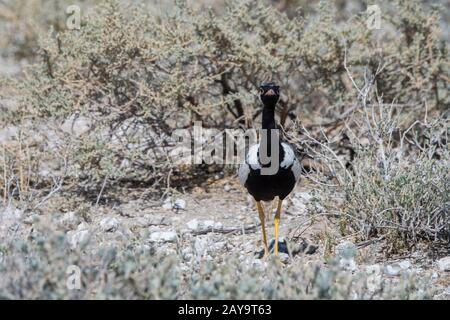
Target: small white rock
x,y
11,213
392,270
348,264
374,282
284,257
198,226
167,204
208,224
201,245
193,224
405,264
373,269
70,219
82,226
303,195
179,204
444,264
396,268
78,237
109,224
163,236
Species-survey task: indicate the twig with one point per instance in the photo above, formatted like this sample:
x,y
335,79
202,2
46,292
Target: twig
x,y
101,190
369,242
227,229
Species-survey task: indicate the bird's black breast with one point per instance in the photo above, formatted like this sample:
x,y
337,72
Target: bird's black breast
x,y
267,187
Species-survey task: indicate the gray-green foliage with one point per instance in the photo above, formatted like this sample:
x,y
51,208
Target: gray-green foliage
x,y
137,75
37,269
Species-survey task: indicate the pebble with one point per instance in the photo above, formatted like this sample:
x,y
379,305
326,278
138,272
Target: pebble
x,y
178,204
202,225
79,237
70,219
163,236
109,224
201,245
444,264
396,268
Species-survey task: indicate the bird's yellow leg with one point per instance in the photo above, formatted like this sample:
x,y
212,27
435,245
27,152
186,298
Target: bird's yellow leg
x,y
277,224
263,226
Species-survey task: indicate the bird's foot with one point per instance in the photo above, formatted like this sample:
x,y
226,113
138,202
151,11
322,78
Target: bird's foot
x,y
263,254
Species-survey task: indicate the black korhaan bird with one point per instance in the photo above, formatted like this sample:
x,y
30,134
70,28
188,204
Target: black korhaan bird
x,y
271,168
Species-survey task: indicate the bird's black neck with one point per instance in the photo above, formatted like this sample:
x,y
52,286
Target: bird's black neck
x,y
268,123
268,117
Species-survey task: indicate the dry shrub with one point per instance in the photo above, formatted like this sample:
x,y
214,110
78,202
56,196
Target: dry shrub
x,y
133,76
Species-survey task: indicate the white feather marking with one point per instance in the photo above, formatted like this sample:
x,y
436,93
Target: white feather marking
x,y
244,170
252,157
289,156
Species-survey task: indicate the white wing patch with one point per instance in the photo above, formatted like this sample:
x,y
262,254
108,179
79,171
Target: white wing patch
x,y
252,157
252,162
244,170
289,156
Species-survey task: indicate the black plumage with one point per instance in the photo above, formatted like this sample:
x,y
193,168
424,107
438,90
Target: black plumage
x,y
277,154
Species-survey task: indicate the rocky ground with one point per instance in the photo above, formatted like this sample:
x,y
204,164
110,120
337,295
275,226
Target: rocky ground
x,y
219,221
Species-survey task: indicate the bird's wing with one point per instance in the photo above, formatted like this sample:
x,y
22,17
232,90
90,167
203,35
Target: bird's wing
x,y
250,163
290,160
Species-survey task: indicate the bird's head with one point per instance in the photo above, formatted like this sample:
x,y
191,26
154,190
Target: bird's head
x,y
269,93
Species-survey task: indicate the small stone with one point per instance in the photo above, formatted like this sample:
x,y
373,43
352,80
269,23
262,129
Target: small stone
x,y
186,254
76,125
201,245
199,226
82,226
34,218
392,270
163,236
70,219
348,264
109,224
284,257
303,195
405,264
396,268
444,264
227,188
11,213
167,204
373,269
78,238
179,204
221,245
374,282
193,224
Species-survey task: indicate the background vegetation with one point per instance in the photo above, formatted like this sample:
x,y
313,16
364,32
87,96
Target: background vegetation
x,y
94,111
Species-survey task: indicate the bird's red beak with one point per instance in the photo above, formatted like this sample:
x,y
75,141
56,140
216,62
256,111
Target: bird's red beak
x,y
270,92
